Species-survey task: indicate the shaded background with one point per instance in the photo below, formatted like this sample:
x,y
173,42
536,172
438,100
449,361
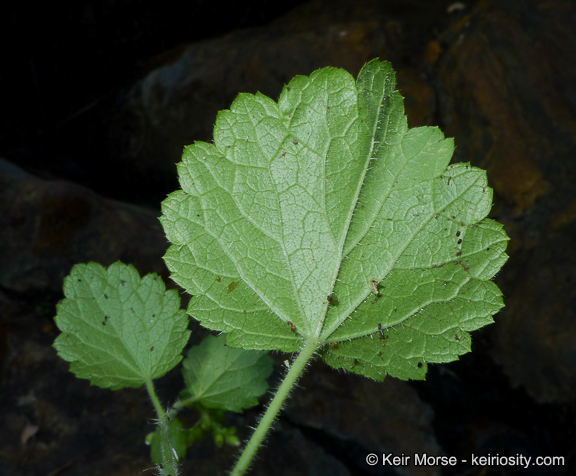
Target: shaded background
x,y
97,100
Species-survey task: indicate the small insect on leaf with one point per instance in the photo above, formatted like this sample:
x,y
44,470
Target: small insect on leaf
x,y
332,299
382,336
292,326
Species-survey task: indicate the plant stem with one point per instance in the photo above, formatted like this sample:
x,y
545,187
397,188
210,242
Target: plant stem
x,y
274,408
180,404
169,465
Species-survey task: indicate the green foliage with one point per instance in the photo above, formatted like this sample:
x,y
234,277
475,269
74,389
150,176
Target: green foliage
x,y
224,378
119,330
210,422
122,331
322,219
218,379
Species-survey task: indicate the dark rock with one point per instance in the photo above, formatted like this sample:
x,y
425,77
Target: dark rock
x,y
176,103
47,226
505,80
79,429
355,416
290,452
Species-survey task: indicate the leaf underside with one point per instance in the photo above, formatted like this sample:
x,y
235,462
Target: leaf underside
x,y
119,330
225,378
323,218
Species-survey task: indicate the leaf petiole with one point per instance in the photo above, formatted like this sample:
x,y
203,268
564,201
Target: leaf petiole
x,y
169,465
292,375
180,404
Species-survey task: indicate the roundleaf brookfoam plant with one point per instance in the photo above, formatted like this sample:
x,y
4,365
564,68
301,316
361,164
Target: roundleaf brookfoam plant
x,y
321,225
318,225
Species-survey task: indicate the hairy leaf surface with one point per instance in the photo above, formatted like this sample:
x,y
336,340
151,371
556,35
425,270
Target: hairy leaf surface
x,y
119,330
322,218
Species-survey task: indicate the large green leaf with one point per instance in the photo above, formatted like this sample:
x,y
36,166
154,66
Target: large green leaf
x,y
119,330
322,218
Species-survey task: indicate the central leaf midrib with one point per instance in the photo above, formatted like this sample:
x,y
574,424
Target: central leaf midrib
x,y
136,363
369,154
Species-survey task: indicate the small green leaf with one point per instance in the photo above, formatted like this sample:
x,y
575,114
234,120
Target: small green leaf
x,y
232,439
221,377
323,221
178,439
119,330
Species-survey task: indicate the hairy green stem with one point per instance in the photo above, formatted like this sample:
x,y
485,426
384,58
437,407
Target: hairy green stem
x,y
180,404
274,408
169,466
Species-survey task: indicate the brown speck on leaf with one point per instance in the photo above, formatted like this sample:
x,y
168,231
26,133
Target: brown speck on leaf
x,y
374,285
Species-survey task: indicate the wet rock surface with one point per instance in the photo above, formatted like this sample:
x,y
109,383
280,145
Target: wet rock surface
x,y
82,180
